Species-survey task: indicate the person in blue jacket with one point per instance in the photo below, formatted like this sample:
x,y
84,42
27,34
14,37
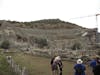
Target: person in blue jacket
x,y
79,68
93,63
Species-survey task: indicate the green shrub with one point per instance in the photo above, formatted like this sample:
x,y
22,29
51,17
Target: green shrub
x,y
76,46
5,68
41,42
5,44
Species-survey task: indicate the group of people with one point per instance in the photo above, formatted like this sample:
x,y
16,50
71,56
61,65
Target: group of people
x,y
79,67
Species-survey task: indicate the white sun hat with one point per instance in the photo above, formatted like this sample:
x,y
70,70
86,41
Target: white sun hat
x,y
79,61
57,58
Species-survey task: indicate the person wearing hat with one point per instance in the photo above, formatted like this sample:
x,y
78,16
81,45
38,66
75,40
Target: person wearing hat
x,y
59,64
56,65
79,68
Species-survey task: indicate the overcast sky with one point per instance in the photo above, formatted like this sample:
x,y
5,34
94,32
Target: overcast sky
x,y
81,12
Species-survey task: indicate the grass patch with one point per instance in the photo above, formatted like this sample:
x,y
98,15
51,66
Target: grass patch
x,y
4,67
40,65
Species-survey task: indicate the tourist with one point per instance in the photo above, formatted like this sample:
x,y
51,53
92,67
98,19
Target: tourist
x,y
93,63
54,66
96,70
79,68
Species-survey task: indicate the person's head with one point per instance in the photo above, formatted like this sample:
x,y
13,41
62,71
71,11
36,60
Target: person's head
x,y
93,58
79,61
58,58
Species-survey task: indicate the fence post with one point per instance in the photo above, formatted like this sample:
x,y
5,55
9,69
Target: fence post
x,y
16,67
24,71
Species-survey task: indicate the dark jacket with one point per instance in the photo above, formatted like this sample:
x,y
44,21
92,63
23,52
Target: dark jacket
x,y
96,70
52,60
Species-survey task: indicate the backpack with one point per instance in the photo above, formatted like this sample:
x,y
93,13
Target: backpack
x,y
79,69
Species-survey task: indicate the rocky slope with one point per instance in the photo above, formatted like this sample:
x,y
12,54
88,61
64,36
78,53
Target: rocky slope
x,y
57,33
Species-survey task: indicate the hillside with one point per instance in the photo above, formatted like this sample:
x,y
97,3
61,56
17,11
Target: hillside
x,y
46,24
52,33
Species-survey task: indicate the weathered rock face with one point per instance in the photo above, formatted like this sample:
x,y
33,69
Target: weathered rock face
x,y
59,34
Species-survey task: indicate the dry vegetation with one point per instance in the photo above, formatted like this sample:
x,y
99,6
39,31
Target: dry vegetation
x,y
21,34
46,24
